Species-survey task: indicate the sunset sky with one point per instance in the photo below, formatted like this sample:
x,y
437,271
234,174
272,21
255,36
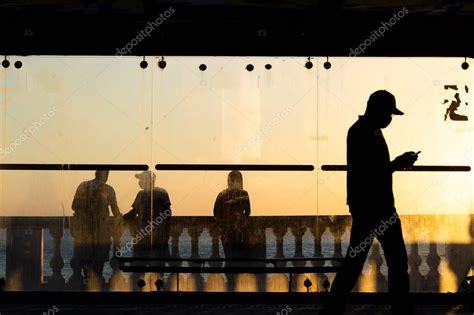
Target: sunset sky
x,y
109,110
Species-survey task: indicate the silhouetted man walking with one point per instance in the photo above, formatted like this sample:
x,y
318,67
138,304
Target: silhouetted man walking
x,y
371,204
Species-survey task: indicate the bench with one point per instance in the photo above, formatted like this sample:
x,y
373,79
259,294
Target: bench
x,y
158,265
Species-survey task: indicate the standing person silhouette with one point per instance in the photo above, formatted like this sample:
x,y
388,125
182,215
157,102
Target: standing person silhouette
x,y
231,209
372,207
151,214
150,222
91,226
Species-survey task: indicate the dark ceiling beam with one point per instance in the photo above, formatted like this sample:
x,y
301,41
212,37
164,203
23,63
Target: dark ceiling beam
x,y
235,32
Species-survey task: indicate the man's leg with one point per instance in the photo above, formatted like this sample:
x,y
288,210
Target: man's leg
x,y
360,242
397,262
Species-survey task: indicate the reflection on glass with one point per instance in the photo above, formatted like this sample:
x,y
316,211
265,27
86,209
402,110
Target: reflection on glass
x,y
108,110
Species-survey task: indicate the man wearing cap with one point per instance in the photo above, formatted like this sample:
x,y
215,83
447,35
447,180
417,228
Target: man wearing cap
x,y
371,204
151,214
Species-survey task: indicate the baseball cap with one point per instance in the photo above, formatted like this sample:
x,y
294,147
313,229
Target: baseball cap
x,y
146,175
383,100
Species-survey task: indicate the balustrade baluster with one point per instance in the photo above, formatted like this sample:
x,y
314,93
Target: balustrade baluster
x,y
414,261
56,282
117,281
195,280
432,278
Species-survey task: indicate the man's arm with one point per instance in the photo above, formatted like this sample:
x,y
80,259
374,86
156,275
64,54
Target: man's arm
x,y
218,211
113,203
134,211
167,202
394,165
358,153
405,160
247,204
130,214
80,198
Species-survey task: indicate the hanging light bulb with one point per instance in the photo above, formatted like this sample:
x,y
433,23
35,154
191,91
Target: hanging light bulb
x,y
5,63
465,65
162,63
143,63
308,64
327,64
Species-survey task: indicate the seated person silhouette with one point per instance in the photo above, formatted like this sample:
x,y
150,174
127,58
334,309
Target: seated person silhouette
x,y
372,207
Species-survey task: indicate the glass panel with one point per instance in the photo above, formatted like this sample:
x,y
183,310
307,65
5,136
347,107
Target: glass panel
x,y
424,89
436,208
69,110
227,114
108,110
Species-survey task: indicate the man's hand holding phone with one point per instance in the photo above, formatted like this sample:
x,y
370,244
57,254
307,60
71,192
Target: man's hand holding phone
x,y
406,160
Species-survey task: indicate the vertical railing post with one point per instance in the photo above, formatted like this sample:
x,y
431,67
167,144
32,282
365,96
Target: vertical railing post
x,y
433,260
214,232
195,231
279,231
376,261
175,232
277,281
414,261
117,281
24,256
215,282
56,282
317,229
337,229
298,230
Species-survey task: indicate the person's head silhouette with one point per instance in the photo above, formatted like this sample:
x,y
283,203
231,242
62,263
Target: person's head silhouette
x,y
235,180
146,180
102,176
380,108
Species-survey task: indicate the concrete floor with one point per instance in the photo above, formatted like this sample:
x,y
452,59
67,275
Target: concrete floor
x,y
228,309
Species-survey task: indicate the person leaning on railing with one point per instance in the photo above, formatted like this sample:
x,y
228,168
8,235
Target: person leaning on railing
x,y
151,218
231,209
